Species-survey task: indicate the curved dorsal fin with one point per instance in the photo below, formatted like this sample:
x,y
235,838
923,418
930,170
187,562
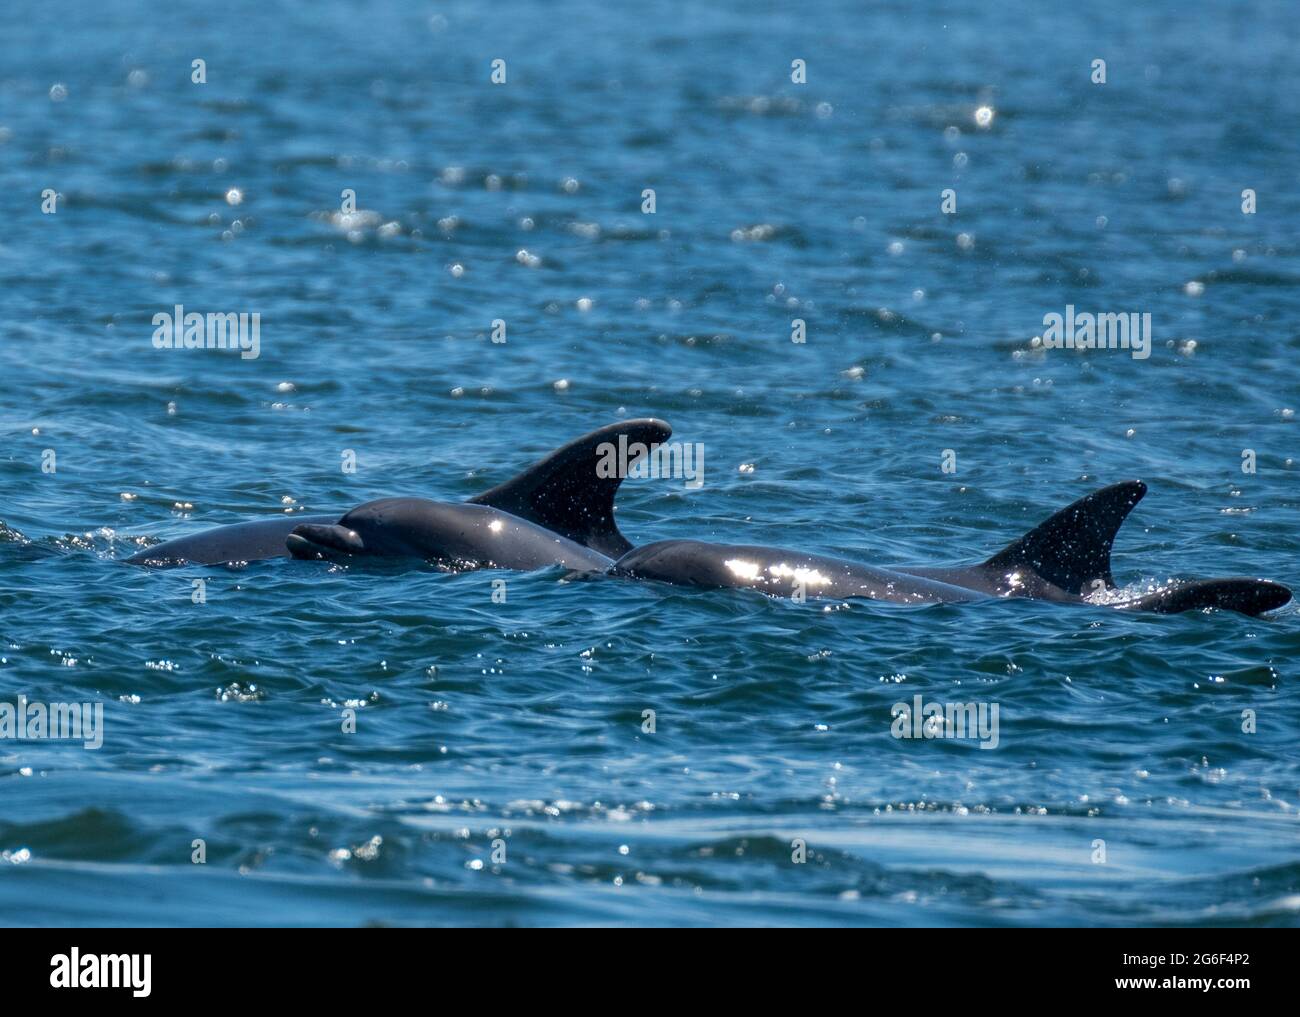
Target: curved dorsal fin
x,y
566,492
1072,549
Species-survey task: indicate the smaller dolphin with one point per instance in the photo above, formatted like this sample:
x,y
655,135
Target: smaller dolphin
x,y
456,536
1065,559
225,545
559,511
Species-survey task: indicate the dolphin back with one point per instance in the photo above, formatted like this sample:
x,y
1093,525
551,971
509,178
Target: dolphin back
x,y
1063,558
221,545
1248,596
1071,550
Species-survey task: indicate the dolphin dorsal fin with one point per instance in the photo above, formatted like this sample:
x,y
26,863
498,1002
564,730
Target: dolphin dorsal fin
x,y
566,493
1071,550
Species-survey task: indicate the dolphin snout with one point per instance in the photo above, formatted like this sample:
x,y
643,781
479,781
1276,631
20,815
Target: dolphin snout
x,y
315,542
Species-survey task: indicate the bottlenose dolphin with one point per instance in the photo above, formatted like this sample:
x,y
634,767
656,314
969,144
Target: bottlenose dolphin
x,y
222,545
1066,558
457,536
559,511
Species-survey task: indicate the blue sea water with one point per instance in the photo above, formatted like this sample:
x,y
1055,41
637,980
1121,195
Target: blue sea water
x,y
1123,788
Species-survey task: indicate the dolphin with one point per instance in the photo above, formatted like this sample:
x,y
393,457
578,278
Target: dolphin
x,y
227,545
1065,559
559,511
456,536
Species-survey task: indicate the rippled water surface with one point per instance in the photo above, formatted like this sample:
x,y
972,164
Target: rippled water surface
x,y
1123,788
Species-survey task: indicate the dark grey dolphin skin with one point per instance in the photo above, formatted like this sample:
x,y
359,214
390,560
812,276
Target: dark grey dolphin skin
x,y
238,542
558,511
1066,559
456,536
781,573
